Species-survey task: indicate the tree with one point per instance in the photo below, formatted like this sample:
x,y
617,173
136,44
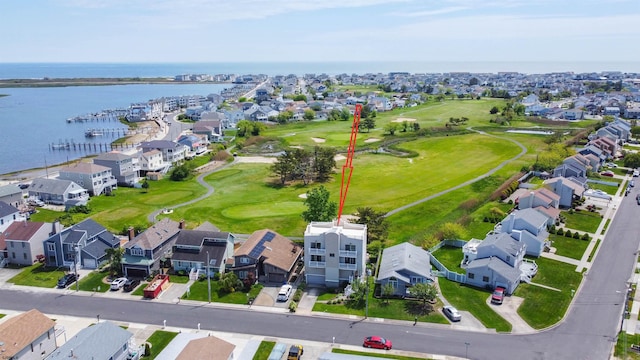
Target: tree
x,y
284,166
180,173
423,291
387,291
229,282
115,260
319,208
368,123
632,160
635,131
359,294
377,225
391,128
309,115
243,127
145,185
324,162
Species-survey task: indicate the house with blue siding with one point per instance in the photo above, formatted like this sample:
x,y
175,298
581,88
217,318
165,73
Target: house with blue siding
x,y
193,248
403,266
528,226
104,340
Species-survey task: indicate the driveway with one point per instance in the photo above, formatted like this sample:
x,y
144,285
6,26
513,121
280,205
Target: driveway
x,y
509,311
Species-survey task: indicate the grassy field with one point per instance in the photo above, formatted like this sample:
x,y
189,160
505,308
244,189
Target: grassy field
x,y
200,291
569,247
473,300
544,307
95,281
38,275
582,220
264,350
159,340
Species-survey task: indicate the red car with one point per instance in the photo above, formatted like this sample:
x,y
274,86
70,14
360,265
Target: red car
x,y
498,295
607,173
377,342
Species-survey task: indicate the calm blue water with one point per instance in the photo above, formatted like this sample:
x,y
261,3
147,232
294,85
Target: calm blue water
x,y
33,118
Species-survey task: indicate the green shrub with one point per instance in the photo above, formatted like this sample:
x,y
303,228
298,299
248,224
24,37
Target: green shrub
x,y
568,233
293,306
585,236
297,296
560,232
576,235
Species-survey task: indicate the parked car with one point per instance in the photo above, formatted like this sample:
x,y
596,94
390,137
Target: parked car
x,y
612,165
636,173
452,313
284,293
67,280
118,283
377,342
608,173
130,284
638,199
295,352
498,295
632,183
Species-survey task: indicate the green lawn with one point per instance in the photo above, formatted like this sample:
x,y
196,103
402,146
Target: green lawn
x,y
609,189
159,340
95,281
38,275
569,247
451,257
582,220
398,309
199,292
139,291
264,350
622,348
473,300
543,307
373,354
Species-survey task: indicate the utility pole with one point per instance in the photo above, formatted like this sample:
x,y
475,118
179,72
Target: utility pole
x,y
208,279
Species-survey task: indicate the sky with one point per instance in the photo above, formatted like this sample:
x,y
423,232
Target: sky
x,y
319,30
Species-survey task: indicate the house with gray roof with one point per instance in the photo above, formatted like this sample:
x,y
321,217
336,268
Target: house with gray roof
x,y
403,266
24,240
197,144
528,226
211,128
8,214
494,261
11,194
193,248
97,179
58,192
124,168
104,340
568,190
543,200
84,243
172,152
144,252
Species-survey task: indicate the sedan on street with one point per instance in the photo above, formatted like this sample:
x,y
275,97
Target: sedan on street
x,y
452,313
377,342
67,280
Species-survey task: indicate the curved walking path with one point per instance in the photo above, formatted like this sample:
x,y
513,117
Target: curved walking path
x,y
469,182
200,179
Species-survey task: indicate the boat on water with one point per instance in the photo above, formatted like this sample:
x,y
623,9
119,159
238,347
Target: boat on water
x,y
93,133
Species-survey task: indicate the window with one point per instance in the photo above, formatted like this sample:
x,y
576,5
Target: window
x,y
417,279
51,247
394,282
350,247
317,258
332,255
348,260
24,255
136,252
485,278
13,244
2,220
471,275
13,255
508,258
23,244
244,260
243,274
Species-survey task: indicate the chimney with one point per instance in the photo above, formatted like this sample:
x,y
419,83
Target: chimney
x,y
131,233
181,225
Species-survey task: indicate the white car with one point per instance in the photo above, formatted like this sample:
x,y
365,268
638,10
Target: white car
x,y
452,313
284,293
118,283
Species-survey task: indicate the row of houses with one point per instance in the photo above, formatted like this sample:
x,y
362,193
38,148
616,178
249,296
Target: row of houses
x,y
33,335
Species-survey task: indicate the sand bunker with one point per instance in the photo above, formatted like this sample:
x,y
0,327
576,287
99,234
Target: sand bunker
x,y
296,147
318,140
303,196
371,140
399,120
339,157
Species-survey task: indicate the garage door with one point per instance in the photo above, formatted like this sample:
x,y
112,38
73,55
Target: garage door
x,y
279,278
89,263
136,273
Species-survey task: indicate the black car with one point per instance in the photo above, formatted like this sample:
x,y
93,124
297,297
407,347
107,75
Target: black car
x,y
131,284
66,280
638,199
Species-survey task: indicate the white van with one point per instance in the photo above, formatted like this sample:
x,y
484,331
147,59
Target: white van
x,y
284,293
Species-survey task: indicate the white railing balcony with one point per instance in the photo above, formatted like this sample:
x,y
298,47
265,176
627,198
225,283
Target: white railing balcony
x,y
315,251
348,253
317,264
344,266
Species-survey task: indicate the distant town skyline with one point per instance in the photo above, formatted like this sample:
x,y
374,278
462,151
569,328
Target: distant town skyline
x,y
317,31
